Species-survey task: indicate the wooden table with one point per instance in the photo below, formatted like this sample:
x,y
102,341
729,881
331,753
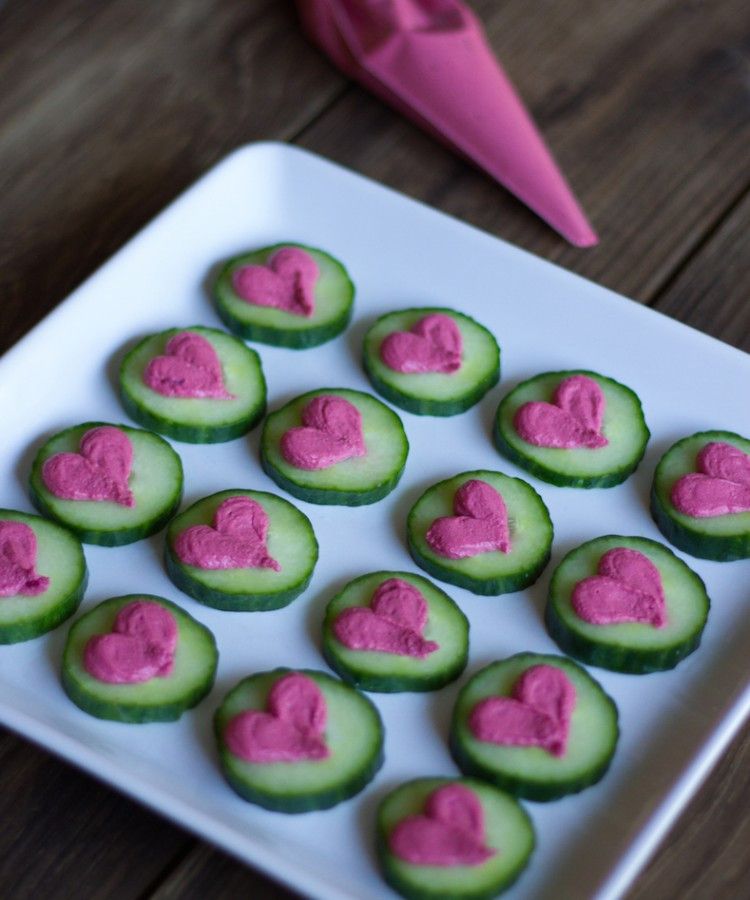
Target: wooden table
x,y
109,110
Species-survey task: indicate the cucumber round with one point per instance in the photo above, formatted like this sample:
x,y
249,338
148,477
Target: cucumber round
x,y
59,557
532,772
155,481
334,298
508,830
623,425
434,393
353,735
491,573
193,419
720,538
161,699
634,647
291,542
353,482
373,670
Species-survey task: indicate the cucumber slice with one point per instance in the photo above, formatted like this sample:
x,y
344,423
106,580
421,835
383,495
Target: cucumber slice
x,y
59,557
533,772
434,393
373,670
190,419
721,538
161,699
623,425
353,482
495,572
334,297
635,647
353,735
290,541
508,830
155,480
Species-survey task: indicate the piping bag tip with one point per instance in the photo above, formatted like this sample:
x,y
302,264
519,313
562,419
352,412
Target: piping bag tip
x,y
430,60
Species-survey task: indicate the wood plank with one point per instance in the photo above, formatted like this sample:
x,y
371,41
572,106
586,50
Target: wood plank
x,y
103,121
645,106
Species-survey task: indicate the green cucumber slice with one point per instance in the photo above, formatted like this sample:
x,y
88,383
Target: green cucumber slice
x,y
353,734
291,542
623,425
334,298
721,538
196,420
508,829
434,393
59,557
158,700
155,480
388,672
634,647
532,772
488,573
353,482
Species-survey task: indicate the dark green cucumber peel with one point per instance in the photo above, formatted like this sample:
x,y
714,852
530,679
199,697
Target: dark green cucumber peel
x,y
153,701
358,486
95,532
209,587
274,326
525,455
177,425
245,778
496,764
615,647
401,389
23,618
389,673
506,580
480,882
720,538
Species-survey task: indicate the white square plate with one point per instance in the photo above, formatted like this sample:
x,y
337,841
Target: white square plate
x,y
399,253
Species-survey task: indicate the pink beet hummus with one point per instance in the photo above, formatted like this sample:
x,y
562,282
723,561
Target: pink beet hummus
x,y
18,575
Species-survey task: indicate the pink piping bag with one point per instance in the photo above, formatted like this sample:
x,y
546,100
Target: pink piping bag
x,y
430,59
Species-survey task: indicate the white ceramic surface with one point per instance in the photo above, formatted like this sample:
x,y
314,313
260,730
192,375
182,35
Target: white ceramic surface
x,y
400,253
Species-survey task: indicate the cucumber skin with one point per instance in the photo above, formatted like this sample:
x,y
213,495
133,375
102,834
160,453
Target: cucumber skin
x,y
130,715
520,787
291,339
630,660
392,684
610,479
703,546
421,407
15,634
190,434
220,600
300,803
96,536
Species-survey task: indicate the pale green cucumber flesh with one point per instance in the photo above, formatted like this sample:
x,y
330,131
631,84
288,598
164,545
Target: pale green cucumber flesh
x,y
155,480
532,772
434,393
389,672
60,558
353,735
634,647
623,425
720,538
157,700
508,830
290,541
353,482
334,298
492,573
196,420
